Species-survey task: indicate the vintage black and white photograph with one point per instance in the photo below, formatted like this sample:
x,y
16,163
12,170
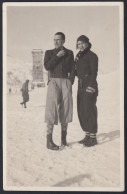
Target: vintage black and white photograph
x,y
63,96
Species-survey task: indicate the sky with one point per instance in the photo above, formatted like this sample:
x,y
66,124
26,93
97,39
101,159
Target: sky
x,y
34,28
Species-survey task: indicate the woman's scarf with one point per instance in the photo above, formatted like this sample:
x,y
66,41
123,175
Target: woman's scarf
x,y
81,53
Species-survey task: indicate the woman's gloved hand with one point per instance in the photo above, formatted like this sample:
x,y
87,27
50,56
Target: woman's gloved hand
x,y
90,89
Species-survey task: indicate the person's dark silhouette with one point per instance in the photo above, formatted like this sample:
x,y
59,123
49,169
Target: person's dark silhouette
x,y
10,90
25,93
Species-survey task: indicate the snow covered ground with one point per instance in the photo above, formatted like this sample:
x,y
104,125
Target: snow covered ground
x,y
30,163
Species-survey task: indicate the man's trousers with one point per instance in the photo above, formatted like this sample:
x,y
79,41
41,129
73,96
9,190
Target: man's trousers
x,y
59,103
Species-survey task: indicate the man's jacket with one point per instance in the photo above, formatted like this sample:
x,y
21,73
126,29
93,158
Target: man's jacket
x,y
59,67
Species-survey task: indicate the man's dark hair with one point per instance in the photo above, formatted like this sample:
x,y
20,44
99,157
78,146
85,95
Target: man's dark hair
x,y
62,35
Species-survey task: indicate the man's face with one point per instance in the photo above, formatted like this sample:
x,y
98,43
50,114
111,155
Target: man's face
x,y
58,41
82,45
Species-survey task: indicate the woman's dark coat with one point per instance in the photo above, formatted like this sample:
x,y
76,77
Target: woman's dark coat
x,y
87,69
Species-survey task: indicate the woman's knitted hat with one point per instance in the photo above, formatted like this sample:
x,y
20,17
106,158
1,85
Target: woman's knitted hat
x,y
83,38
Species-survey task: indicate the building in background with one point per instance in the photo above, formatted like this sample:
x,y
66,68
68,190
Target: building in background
x,y
38,79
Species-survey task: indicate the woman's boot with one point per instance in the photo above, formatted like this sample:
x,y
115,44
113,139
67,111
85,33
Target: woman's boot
x,y
85,139
92,140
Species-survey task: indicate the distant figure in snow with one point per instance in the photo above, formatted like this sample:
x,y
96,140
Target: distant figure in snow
x,y
25,93
9,90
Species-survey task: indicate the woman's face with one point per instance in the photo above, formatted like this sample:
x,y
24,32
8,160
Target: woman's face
x,y
82,45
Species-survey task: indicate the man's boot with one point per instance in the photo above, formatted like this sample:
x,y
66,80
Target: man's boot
x,y
50,144
64,134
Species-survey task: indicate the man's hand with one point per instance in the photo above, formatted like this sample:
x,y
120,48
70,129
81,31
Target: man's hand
x,y
61,53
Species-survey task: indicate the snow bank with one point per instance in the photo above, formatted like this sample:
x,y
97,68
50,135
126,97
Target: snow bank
x,y
30,163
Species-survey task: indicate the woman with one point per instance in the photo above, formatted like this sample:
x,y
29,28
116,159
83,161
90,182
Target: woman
x,y
86,68
25,93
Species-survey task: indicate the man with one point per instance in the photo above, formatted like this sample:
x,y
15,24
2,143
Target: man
x,y
59,63
25,93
